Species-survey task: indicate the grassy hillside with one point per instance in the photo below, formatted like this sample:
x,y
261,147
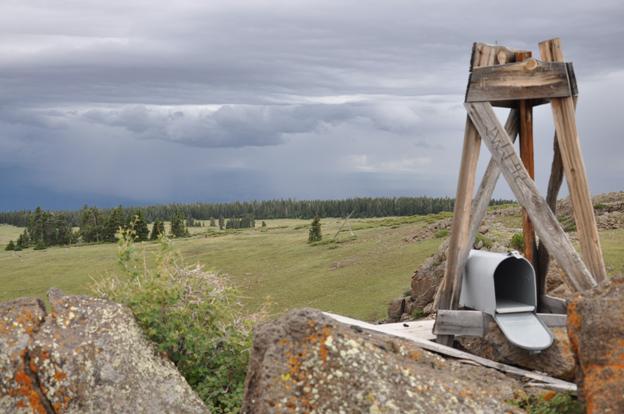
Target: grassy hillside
x,y
355,276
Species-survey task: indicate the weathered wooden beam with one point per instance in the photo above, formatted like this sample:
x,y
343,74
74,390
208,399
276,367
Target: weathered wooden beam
x,y
475,323
549,304
554,185
567,136
482,55
525,112
485,54
482,199
531,79
548,228
460,323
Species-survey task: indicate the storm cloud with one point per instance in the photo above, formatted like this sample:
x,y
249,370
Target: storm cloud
x,y
200,101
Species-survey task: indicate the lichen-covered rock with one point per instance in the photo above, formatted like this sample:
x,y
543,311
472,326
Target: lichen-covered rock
x,y
556,361
86,356
596,330
307,362
19,320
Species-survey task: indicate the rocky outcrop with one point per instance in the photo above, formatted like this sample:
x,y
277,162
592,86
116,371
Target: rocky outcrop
x,y
86,356
596,330
556,361
308,362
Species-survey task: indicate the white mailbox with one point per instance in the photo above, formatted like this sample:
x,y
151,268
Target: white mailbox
x,y
503,285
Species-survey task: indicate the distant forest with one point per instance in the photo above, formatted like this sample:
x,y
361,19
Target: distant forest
x,y
270,209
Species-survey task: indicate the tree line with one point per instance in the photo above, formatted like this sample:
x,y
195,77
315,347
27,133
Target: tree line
x,y
364,207
45,228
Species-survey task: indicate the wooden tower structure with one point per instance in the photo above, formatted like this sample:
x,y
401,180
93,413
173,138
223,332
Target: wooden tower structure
x,y
500,76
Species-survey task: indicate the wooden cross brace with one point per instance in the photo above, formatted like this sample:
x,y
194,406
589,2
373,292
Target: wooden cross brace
x,y
559,87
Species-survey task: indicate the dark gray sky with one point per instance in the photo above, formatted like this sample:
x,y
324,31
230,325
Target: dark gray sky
x,y
106,102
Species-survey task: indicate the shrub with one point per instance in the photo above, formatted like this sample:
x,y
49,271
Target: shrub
x,y
567,222
314,234
417,313
194,316
517,242
10,246
549,403
441,233
40,245
485,241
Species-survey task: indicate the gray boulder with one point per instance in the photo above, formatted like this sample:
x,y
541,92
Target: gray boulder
x,y
86,356
307,362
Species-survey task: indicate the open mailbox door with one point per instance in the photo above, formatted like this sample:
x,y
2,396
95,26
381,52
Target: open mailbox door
x,y
503,285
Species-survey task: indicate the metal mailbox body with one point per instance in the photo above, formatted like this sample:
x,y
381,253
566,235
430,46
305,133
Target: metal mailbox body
x,y
503,285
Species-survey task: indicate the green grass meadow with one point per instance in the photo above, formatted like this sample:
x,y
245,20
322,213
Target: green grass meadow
x,y
354,276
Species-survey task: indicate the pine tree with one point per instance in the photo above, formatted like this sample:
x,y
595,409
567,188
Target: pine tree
x,y
263,223
221,223
114,222
23,241
177,226
10,246
158,228
190,221
91,225
315,230
212,222
139,225
36,226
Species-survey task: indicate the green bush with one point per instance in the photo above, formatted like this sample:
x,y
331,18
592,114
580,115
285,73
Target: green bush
x,y
194,316
517,242
550,403
417,313
441,233
10,246
567,222
314,234
486,241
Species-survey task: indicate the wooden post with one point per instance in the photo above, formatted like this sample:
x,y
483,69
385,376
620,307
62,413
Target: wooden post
x,y
543,258
574,168
449,297
482,55
525,190
525,111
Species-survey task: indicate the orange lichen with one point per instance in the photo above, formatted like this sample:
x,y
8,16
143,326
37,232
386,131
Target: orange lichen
x,y
574,326
26,390
414,355
60,376
549,395
323,352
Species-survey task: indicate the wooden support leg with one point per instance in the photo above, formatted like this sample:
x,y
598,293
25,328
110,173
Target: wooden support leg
x,y
526,155
461,235
574,168
488,182
481,201
525,190
449,297
554,184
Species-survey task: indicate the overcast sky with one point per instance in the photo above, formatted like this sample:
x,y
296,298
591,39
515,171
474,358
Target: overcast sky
x,y
157,101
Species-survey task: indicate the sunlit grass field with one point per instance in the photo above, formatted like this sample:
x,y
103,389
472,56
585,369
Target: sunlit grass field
x,y
355,275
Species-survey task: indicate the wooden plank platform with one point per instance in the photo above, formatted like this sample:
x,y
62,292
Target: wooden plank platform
x,y
414,331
